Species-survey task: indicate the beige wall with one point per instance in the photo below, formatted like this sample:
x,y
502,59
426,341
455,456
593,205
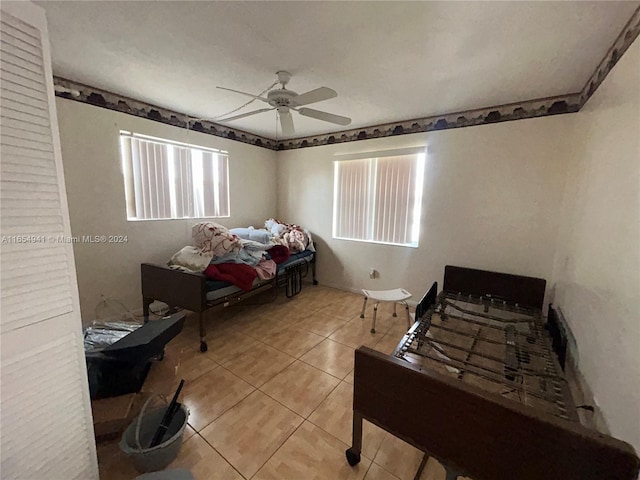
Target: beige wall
x,y
95,190
598,260
491,201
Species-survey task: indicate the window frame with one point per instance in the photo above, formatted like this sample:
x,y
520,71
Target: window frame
x,y
129,182
421,156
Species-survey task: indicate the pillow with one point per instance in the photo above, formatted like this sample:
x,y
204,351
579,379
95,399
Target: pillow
x,y
191,258
311,247
257,235
213,238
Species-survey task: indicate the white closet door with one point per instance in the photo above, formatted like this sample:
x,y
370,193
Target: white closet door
x,y
46,424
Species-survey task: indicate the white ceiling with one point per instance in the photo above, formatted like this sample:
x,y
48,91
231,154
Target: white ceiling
x,y
388,61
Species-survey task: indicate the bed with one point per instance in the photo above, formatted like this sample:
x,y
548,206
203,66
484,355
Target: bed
x,y
476,384
199,293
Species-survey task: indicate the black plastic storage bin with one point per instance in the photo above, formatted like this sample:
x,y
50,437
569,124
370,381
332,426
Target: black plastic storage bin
x,y
121,367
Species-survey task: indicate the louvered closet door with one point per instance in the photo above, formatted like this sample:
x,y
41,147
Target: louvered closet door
x,y
46,426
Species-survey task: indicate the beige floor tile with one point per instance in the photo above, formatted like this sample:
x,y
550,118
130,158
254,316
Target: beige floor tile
x,y
349,377
300,387
398,457
248,434
293,341
180,362
189,337
320,297
237,324
203,461
188,433
344,309
212,394
289,313
225,344
258,364
331,357
271,325
162,377
335,416
193,364
312,454
398,329
388,343
357,332
376,472
113,464
321,324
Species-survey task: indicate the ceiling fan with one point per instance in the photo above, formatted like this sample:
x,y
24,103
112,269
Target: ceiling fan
x,y
284,101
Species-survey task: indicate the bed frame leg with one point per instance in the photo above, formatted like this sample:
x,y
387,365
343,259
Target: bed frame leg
x,y
451,474
313,270
203,333
146,303
423,464
353,453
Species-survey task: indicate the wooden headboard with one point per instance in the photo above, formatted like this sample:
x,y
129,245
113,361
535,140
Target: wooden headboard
x,y
525,291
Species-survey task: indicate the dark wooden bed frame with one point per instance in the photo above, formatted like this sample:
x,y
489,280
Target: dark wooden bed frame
x,y
472,431
189,290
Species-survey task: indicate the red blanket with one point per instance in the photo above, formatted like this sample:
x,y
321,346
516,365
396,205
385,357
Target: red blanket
x,y
239,274
279,253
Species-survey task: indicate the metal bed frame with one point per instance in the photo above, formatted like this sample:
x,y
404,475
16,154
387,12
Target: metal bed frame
x,y
475,383
189,290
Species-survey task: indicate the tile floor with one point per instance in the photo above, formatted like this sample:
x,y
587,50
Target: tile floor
x,y
272,398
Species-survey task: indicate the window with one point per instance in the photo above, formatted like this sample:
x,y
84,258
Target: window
x,y
165,179
378,199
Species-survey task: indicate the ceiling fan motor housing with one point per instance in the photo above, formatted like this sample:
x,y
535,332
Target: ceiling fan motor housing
x,y
281,97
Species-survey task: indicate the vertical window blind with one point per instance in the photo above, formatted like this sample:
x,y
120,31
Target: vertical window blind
x,y
378,199
165,180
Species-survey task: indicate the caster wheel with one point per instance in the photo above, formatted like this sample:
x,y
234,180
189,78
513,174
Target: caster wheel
x,y
160,357
315,282
373,330
352,457
203,347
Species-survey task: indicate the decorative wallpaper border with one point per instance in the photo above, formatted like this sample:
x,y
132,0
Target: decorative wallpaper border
x,y
469,118
628,35
101,98
568,103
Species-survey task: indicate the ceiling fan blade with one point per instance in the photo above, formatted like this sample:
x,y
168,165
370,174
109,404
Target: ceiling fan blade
x,y
244,93
317,95
327,117
242,115
286,122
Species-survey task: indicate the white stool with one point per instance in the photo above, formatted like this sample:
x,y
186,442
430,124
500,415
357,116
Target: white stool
x,y
398,295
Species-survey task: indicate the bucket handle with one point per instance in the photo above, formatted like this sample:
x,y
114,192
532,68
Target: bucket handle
x,y
139,421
